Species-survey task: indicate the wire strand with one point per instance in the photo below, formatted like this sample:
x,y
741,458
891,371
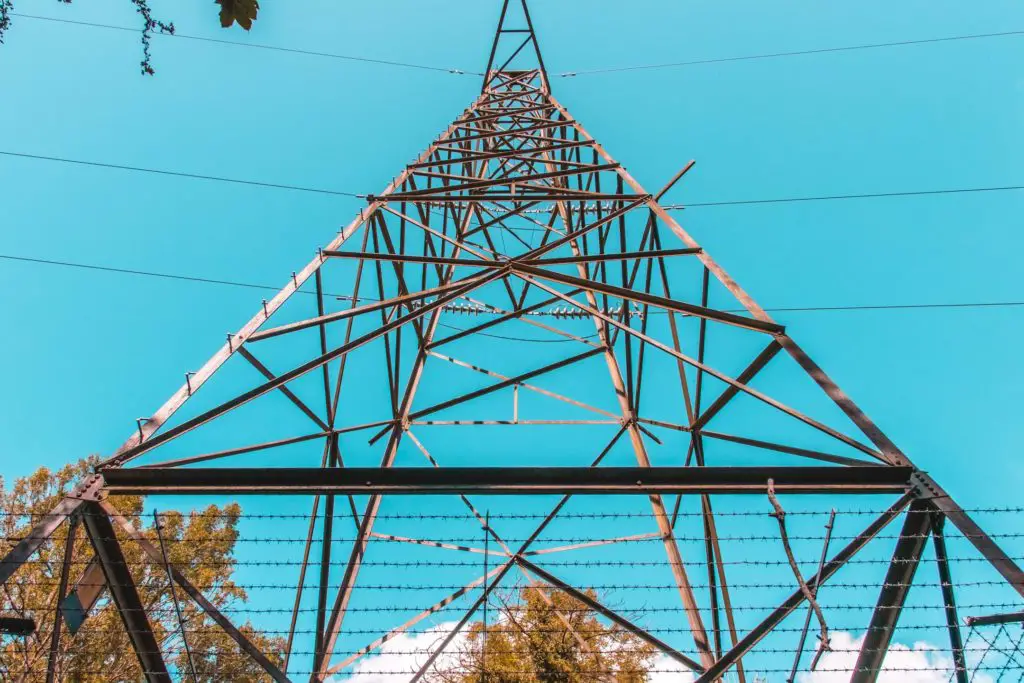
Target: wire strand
x,y
792,53
249,285
311,53
180,174
691,205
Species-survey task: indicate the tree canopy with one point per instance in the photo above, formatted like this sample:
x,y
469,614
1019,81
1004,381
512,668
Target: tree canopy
x,y
199,544
546,636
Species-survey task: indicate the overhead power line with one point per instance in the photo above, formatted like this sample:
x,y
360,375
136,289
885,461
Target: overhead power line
x,y
249,285
311,53
180,174
794,53
567,74
868,195
317,190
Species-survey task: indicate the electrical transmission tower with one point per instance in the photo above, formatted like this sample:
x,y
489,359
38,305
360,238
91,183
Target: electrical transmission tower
x,y
514,317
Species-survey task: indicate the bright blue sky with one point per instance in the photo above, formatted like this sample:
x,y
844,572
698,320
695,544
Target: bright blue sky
x,y
83,353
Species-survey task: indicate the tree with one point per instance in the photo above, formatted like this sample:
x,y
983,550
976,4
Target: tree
x,y
200,545
242,12
547,636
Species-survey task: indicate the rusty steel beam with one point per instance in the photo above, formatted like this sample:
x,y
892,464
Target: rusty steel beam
x,y
43,529
62,588
17,626
507,480
597,258
125,593
929,489
990,619
652,299
504,384
905,558
744,377
956,641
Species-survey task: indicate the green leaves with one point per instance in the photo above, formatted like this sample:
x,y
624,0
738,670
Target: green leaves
x,y
199,543
242,11
545,636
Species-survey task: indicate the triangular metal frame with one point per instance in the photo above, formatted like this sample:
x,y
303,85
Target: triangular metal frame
x,y
515,157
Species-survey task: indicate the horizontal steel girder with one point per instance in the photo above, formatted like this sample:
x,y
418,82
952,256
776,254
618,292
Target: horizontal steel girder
x,y
507,480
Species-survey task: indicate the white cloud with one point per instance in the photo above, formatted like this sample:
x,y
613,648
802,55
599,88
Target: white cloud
x,y
667,670
921,662
403,655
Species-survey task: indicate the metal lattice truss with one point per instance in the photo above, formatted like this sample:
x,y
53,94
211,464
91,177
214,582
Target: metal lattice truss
x,y
514,210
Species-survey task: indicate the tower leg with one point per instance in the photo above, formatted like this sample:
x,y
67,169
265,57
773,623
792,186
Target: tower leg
x,y
905,559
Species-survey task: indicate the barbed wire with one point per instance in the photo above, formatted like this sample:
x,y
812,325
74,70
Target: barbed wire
x,y
595,586
527,515
553,563
561,675
610,651
433,541
89,631
392,609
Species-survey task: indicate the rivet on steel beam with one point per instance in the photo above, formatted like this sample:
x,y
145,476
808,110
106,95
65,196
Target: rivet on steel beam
x,y
188,381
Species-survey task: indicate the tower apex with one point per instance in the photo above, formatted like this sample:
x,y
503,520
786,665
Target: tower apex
x,y
514,34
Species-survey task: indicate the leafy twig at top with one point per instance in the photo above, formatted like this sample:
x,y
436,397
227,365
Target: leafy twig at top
x,y
241,11
5,17
142,7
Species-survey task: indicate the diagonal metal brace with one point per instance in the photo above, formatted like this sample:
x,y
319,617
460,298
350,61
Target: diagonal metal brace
x,y
232,631
125,593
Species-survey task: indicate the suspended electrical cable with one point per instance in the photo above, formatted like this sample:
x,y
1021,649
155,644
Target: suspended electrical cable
x,y
301,188
249,285
369,60
566,74
794,53
869,195
180,174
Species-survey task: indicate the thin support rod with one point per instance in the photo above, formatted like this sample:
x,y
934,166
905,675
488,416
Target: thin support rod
x,y
905,559
125,594
244,644
58,614
956,642
810,611
755,635
158,525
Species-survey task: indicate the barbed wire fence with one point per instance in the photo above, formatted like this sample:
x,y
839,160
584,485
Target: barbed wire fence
x,y
451,560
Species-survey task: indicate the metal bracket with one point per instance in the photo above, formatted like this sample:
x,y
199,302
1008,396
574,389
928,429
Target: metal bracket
x,y
90,490
923,487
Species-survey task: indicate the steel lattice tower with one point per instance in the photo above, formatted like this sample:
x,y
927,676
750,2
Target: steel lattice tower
x,y
515,219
